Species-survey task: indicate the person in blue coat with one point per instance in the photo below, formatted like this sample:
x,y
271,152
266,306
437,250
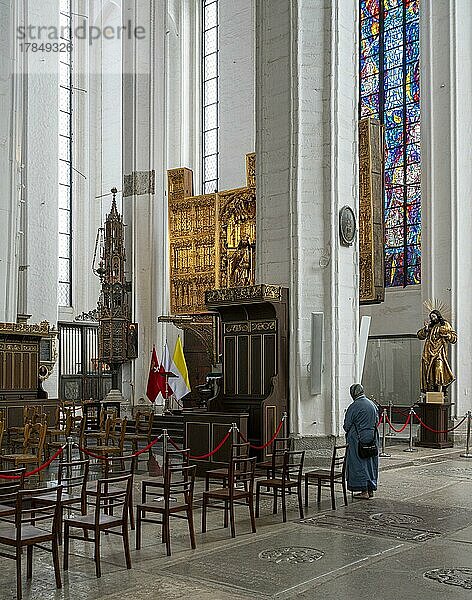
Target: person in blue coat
x,y
360,423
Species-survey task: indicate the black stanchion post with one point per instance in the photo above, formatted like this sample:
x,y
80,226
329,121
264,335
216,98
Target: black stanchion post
x,y
164,449
467,453
384,454
410,440
390,433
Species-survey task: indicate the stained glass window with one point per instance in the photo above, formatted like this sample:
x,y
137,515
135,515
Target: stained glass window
x,y
390,91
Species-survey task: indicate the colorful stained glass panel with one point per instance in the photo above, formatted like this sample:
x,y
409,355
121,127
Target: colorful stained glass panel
x,y
393,17
369,8
393,57
390,90
369,66
394,197
370,106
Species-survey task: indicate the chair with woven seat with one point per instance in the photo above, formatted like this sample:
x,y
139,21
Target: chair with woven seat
x,y
104,433
34,440
239,490
115,492
113,443
335,475
56,438
290,477
142,430
30,526
179,482
16,432
221,474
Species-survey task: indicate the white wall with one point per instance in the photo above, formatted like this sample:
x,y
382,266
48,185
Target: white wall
x,y
236,89
306,101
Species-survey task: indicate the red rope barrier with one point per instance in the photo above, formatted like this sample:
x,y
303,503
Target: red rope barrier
x,y
92,454
137,453
38,469
174,444
148,447
381,419
223,441
401,428
277,431
436,430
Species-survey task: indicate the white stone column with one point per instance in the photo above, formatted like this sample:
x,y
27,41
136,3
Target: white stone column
x,y
144,205
306,117
12,159
446,140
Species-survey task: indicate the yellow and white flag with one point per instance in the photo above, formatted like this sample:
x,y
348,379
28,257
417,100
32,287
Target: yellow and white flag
x,y
180,385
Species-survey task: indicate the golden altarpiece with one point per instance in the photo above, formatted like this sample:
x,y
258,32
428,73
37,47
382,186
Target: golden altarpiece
x,y
212,240
371,211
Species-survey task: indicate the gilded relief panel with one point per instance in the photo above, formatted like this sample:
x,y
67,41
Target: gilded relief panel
x,y
371,230
212,239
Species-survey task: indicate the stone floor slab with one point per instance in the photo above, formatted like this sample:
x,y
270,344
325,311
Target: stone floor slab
x,y
400,576
295,560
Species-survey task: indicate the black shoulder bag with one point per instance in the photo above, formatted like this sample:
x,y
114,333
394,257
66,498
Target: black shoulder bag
x,y
366,450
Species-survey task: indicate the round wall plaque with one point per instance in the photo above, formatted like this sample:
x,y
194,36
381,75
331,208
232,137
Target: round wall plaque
x,y
347,225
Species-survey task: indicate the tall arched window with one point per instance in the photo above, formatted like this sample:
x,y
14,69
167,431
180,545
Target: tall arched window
x,y
390,91
210,117
64,284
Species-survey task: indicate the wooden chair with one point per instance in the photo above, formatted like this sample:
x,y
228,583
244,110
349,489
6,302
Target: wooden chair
x,y
336,474
174,458
113,492
179,482
117,466
114,440
142,430
16,433
291,477
73,476
275,462
237,451
2,431
58,437
31,442
32,526
9,489
105,433
240,490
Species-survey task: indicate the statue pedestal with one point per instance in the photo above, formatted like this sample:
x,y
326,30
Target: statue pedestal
x,y
435,416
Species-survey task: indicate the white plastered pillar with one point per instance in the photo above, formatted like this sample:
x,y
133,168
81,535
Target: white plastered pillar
x,y
446,141
306,143
143,66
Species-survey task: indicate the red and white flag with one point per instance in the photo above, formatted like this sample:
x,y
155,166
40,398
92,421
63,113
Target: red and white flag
x,y
154,379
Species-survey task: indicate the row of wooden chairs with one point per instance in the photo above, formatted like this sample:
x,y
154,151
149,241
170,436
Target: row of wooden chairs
x,y
21,511
113,499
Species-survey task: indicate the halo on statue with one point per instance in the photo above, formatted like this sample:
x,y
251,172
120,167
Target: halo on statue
x,y
437,304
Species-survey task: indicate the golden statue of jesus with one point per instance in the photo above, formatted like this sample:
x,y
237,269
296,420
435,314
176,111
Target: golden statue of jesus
x,y
436,374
